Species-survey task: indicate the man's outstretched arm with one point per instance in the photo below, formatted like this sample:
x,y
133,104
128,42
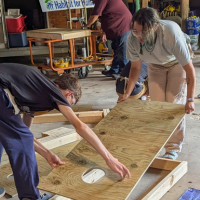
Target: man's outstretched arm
x,y
85,132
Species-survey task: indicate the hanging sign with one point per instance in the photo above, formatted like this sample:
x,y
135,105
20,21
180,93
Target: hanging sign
x,y
53,5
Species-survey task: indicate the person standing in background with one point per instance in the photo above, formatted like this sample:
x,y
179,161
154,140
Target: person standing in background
x,y
115,20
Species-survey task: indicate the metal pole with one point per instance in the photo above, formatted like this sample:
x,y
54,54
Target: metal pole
x,y
88,50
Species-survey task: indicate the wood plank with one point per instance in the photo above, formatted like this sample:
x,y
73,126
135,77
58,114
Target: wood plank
x,y
165,164
43,168
59,33
54,132
157,192
58,139
144,3
89,117
82,108
184,13
134,132
75,109
105,112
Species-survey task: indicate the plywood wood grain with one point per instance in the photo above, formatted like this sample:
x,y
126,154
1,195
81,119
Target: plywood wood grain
x,y
59,33
134,132
43,168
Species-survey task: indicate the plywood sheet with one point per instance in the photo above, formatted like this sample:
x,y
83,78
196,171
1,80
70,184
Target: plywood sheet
x,y
134,132
58,33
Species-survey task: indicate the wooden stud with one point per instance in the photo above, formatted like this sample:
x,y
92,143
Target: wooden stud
x,y
144,3
165,164
161,188
75,109
59,139
184,13
105,112
90,117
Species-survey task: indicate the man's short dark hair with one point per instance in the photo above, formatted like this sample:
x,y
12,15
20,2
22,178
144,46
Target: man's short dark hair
x,y
69,82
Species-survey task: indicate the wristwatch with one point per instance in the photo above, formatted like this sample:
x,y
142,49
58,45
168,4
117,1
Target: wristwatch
x,y
190,99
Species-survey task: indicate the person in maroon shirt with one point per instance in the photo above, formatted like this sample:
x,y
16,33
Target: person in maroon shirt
x,y
115,22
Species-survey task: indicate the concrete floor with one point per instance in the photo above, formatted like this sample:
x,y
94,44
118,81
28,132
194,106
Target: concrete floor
x,y
99,91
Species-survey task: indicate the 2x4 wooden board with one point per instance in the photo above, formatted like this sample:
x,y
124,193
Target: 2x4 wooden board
x,y
134,132
59,33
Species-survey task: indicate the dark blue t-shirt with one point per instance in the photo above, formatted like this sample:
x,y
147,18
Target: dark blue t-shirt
x,y
30,87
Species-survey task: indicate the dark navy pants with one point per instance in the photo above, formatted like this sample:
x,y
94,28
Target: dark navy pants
x,y
17,140
120,84
119,59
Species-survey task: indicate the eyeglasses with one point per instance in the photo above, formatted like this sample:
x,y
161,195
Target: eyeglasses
x,y
73,100
142,34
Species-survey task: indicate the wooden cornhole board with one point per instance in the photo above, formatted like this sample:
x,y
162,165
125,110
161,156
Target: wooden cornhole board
x,y
59,33
134,132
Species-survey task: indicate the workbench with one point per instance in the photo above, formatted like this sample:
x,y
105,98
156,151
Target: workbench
x,y
54,35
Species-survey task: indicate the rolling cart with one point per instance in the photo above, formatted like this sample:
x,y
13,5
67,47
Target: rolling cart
x,y
55,35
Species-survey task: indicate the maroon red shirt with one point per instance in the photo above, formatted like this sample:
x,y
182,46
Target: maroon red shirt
x,y
114,15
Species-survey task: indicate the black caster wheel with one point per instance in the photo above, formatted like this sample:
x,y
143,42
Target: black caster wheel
x,y
83,72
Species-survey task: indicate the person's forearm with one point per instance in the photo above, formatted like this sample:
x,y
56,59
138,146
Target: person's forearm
x,y
133,78
39,148
92,19
191,80
85,132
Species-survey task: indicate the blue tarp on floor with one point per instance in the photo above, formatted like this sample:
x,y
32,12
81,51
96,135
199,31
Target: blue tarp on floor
x,y
191,194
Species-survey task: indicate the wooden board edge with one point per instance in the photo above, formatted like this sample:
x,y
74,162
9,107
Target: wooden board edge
x,y
105,112
163,186
90,117
165,164
58,197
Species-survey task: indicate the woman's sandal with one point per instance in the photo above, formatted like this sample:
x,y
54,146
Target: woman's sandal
x,y
171,155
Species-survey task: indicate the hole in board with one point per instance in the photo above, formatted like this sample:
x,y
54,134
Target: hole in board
x,y
93,175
